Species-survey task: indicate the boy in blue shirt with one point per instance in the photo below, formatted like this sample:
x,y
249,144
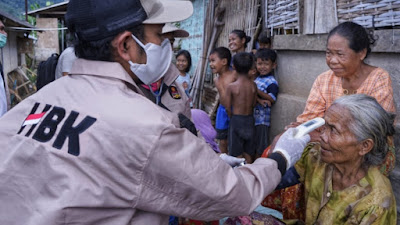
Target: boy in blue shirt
x,y
267,94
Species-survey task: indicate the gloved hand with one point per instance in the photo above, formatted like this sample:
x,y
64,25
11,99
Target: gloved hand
x,y
230,160
291,148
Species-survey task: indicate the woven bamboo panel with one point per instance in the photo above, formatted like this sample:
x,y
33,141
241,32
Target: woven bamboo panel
x,y
242,15
282,14
370,13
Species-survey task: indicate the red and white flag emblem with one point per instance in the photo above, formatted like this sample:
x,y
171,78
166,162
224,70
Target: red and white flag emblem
x,y
33,119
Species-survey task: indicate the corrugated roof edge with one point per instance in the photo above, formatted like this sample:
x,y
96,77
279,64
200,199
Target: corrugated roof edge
x,y
15,20
36,11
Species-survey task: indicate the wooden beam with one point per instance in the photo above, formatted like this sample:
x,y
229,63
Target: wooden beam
x,y
309,16
325,16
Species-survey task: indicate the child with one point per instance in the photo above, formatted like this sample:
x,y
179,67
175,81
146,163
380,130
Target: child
x,y
267,93
263,41
219,63
184,63
241,98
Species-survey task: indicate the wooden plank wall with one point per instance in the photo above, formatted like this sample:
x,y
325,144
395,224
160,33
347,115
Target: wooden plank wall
x,y
319,16
9,54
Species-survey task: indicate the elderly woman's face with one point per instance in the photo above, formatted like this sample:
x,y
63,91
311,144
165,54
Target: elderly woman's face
x,y
341,59
338,143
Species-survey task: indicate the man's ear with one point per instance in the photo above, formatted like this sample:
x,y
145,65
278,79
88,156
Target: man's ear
x,y
122,43
274,65
366,146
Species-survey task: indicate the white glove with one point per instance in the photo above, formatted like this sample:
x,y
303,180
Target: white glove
x,y
230,160
291,148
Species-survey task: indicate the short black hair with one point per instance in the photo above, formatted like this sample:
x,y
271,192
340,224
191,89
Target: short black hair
x,y
241,34
358,37
101,50
266,54
188,57
264,38
223,53
243,62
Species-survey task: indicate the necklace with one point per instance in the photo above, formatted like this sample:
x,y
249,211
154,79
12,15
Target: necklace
x,y
347,91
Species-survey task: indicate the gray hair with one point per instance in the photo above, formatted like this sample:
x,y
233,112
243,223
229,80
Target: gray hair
x,y
370,121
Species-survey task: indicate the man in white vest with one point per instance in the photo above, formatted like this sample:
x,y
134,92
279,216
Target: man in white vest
x,y
91,148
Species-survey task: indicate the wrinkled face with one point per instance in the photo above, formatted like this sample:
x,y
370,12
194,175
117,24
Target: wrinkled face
x,y
236,44
265,67
2,28
338,144
341,59
216,63
182,63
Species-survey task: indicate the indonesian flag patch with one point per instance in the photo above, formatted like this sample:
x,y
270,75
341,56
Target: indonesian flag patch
x,y
33,119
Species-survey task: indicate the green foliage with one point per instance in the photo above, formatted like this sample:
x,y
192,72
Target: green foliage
x,y
34,6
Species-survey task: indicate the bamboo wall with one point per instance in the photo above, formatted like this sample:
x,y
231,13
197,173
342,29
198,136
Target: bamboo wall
x,y
372,13
239,14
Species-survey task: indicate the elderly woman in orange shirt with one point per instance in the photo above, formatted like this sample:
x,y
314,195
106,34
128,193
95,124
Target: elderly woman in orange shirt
x,y
348,46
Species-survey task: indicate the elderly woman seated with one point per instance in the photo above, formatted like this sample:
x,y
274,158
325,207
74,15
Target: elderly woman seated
x,y
343,184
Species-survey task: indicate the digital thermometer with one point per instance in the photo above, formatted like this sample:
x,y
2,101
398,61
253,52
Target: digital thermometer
x,y
308,126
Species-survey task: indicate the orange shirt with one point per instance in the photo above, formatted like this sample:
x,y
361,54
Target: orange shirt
x,y
328,87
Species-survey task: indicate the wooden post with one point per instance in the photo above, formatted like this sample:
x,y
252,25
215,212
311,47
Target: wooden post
x,y
26,10
325,16
309,17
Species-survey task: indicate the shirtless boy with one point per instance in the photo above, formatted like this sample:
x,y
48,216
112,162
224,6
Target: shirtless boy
x,y
241,97
220,59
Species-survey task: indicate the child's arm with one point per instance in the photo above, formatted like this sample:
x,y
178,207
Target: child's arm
x,y
228,100
255,101
265,96
264,102
220,90
272,93
222,94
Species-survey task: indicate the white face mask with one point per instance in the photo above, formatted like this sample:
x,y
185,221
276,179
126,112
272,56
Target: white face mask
x,y
158,61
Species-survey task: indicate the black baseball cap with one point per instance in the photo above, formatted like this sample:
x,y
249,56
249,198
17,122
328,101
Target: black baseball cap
x,y
93,20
